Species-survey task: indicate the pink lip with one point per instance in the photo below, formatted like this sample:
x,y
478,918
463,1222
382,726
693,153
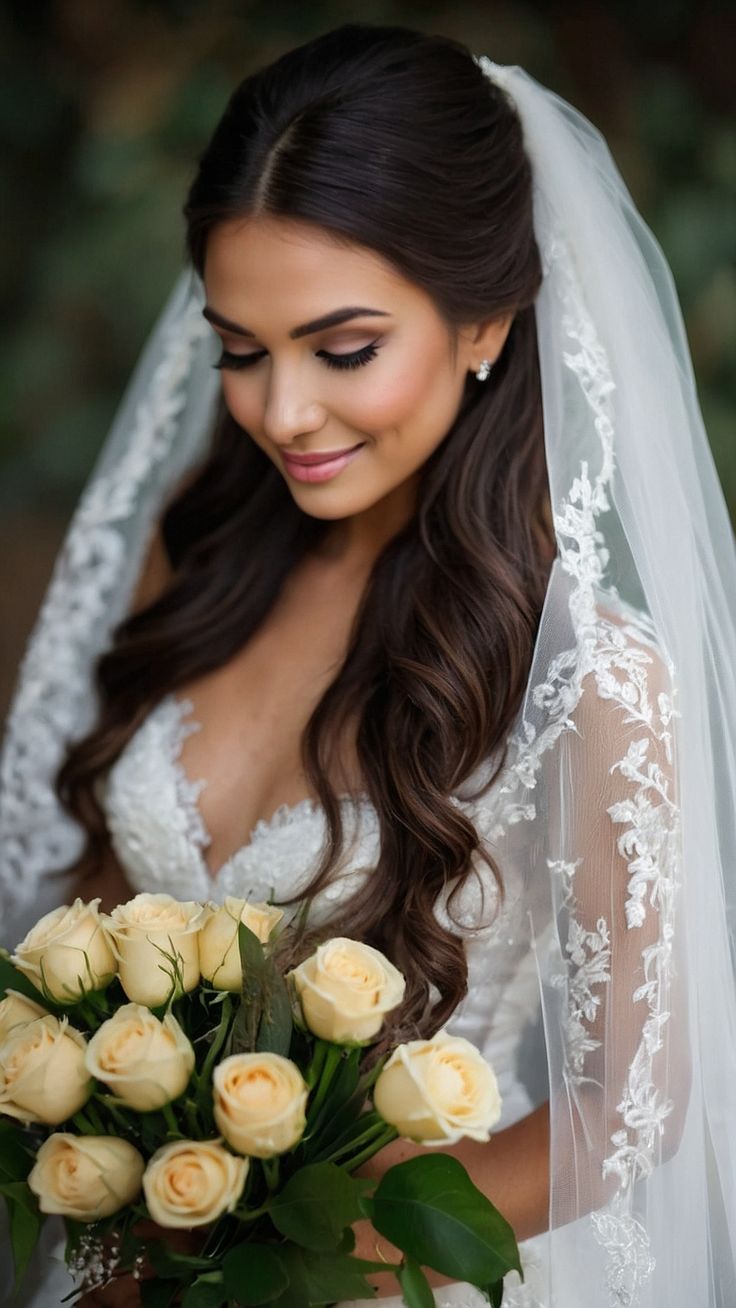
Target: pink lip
x,y
326,457
319,467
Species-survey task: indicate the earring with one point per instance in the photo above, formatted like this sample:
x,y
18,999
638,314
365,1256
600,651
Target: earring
x,y
484,370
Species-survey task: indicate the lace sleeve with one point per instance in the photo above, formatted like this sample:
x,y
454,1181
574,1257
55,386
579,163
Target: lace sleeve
x,y
615,853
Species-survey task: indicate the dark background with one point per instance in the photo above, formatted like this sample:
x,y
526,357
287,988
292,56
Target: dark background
x,y
104,107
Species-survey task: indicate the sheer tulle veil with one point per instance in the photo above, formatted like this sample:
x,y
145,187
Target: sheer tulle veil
x,y
621,776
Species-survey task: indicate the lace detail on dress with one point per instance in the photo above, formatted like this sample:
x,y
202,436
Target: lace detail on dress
x,y
590,959
187,792
159,834
630,1262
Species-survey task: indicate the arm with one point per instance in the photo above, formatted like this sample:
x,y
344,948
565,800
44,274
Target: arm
x,y
614,854
614,1006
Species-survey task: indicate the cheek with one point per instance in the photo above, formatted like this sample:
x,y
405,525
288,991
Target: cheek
x,y
415,405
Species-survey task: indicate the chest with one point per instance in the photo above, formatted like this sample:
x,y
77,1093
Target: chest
x,y
252,713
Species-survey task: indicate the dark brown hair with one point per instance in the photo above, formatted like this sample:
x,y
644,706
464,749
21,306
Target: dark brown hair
x,y
396,141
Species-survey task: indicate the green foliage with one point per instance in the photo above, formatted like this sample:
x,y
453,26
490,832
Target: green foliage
x,y
429,1207
315,1205
208,1291
255,1274
264,1020
158,1294
24,1218
415,1288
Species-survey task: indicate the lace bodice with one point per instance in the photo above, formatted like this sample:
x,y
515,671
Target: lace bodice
x,y
159,836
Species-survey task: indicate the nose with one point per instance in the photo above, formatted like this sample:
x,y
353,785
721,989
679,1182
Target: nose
x,y
291,407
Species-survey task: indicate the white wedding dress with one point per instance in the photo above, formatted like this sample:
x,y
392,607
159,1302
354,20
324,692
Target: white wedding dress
x,y
159,837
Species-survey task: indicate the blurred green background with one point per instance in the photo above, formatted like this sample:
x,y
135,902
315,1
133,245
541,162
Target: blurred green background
x,y
105,106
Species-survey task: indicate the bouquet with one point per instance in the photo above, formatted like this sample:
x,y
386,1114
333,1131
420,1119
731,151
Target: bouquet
x,y
156,1067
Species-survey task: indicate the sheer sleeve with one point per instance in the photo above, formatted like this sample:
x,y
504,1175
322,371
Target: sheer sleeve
x,y
615,1012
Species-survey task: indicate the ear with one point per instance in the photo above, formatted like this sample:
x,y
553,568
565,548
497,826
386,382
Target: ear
x,y
487,339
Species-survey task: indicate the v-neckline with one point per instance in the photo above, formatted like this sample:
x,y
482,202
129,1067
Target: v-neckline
x,y
188,790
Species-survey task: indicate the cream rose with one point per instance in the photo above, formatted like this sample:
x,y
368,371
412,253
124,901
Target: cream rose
x,y
146,933
437,1091
43,1077
144,1061
345,990
67,952
17,1010
219,954
191,1182
259,1103
85,1177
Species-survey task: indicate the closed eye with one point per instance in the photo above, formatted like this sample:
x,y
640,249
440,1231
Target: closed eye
x,y
356,359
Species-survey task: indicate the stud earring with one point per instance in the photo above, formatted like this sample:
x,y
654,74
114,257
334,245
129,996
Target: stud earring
x,y
484,370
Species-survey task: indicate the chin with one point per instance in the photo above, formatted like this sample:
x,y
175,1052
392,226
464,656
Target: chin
x,y
331,507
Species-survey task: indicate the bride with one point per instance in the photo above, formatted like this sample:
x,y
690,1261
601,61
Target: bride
x,y
405,588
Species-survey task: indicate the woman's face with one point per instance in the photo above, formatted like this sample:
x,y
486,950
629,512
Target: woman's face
x,y
383,384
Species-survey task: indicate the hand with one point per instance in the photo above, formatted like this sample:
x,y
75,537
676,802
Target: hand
x,y
368,1243
124,1291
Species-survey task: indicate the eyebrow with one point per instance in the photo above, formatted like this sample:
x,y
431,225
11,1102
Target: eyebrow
x,y
317,325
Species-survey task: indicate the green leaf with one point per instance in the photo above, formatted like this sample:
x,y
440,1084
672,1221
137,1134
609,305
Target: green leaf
x,y
338,1109
255,1274
20,1193
208,1291
25,1223
16,1160
336,1276
274,1031
158,1294
167,1262
495,1294
253,962
415,1288
429,1207
12,979
347,1241
361,1131
296,1294
316,1205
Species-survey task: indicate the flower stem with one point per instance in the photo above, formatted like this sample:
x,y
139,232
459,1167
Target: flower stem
x,y
385,1138
171,1122
119,1118
217,1043
331,1063
371,1134
83,1125
316,1064
190,1112
271,1172
251,1214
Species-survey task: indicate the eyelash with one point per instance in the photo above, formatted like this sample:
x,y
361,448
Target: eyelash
x,y
354,360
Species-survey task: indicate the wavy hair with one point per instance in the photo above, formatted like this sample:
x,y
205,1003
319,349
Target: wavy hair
x,y
393,140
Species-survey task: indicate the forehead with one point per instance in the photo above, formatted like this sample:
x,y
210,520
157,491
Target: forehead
x,y
285,268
